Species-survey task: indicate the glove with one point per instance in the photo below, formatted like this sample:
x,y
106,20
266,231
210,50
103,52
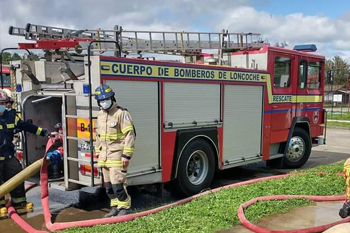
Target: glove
x,y
345,210
54,156
45,133
16,131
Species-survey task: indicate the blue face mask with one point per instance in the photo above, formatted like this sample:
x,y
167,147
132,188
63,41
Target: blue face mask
x,y
2,109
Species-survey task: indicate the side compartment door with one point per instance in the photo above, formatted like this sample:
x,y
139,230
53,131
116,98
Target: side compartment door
x,y
191,104
242,123
141,100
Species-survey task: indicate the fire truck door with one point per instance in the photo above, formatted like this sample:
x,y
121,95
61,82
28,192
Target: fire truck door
x,y
308,98
300,106
283,78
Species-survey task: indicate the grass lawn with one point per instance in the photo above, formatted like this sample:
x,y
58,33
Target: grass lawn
x,y
338,124
338,116
219,210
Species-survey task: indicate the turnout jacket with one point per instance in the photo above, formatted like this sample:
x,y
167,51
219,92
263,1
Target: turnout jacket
x,y
115,136
10,123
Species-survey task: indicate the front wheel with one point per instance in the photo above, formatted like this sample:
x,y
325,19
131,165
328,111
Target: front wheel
x,y
299,149
196,168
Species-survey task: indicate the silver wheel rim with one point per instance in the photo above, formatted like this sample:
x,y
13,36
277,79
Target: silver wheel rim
x,y
197,167
296,149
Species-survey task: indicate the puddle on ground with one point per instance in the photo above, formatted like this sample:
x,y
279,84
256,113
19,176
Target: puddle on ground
x,y
85,209
7,225
320,214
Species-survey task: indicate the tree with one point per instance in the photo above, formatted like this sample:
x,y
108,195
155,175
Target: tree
x,y
7,57
341,70
16,57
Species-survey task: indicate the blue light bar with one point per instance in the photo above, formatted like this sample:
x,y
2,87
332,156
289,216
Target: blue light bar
x,y
19,88
86,88
306,48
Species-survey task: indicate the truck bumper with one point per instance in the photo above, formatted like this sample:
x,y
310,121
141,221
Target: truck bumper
x,y
320,140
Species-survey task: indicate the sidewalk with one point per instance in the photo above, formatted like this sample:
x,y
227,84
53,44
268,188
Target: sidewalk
x,y
345,121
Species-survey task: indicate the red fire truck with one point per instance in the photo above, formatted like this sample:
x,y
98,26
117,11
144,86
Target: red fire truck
x,y
6,78
262,103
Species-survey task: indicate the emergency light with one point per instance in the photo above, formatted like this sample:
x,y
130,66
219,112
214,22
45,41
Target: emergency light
x,y
19,88
305,48
86,88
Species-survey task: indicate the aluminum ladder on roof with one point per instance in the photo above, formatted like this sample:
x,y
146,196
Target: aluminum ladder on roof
x,y
184,43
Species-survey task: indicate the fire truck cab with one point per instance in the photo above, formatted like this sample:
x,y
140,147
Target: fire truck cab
x,y
297,83
264,104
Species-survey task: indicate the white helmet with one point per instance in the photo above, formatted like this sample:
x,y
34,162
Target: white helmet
x,y
8,92
3,96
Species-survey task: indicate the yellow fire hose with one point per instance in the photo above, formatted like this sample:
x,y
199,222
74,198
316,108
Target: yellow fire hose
x,y
18,179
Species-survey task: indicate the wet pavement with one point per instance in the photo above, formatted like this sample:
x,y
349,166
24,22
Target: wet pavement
x,y
63,215
311,216
89,203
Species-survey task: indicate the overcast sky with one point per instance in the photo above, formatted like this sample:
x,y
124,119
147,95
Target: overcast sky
x,y
322,22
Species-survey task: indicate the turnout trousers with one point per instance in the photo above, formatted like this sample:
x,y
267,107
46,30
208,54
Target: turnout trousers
x,y
9,167
115,184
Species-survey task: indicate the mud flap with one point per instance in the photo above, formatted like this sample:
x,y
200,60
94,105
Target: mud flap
x,y
275,163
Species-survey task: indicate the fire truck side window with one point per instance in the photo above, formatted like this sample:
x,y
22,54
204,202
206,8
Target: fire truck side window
x,y
302,74
313,75
282,72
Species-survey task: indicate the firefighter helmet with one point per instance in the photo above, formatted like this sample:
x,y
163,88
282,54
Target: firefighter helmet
x,y
3,96
10,100
103,92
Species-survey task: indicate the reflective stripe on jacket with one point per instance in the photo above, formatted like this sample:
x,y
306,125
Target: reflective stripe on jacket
x,y
114,135
14,122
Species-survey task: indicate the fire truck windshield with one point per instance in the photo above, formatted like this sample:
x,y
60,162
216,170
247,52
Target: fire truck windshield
x,y
6,80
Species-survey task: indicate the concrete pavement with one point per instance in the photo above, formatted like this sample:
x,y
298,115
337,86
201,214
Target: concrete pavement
x,y
344,121
338,141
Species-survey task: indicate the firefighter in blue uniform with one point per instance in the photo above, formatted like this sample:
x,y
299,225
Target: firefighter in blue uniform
x,y
10,123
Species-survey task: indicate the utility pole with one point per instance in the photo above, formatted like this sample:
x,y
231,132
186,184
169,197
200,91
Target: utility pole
x,y
331,73
348,92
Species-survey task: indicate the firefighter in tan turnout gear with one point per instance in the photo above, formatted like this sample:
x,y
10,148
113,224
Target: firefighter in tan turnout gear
x,y
115,138
345,210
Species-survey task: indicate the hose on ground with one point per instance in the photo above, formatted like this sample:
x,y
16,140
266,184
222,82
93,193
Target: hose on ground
x,y
89,223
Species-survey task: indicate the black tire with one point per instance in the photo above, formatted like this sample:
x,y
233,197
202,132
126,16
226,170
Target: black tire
x,y
191,179
299,149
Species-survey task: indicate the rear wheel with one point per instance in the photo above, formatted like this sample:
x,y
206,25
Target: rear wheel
x,y
196,167
299,149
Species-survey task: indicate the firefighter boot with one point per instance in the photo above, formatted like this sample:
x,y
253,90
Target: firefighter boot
x,y
123,212
345,210
3,210
112,213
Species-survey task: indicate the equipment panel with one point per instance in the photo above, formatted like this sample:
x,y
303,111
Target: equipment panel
x,y
141,100
242,122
